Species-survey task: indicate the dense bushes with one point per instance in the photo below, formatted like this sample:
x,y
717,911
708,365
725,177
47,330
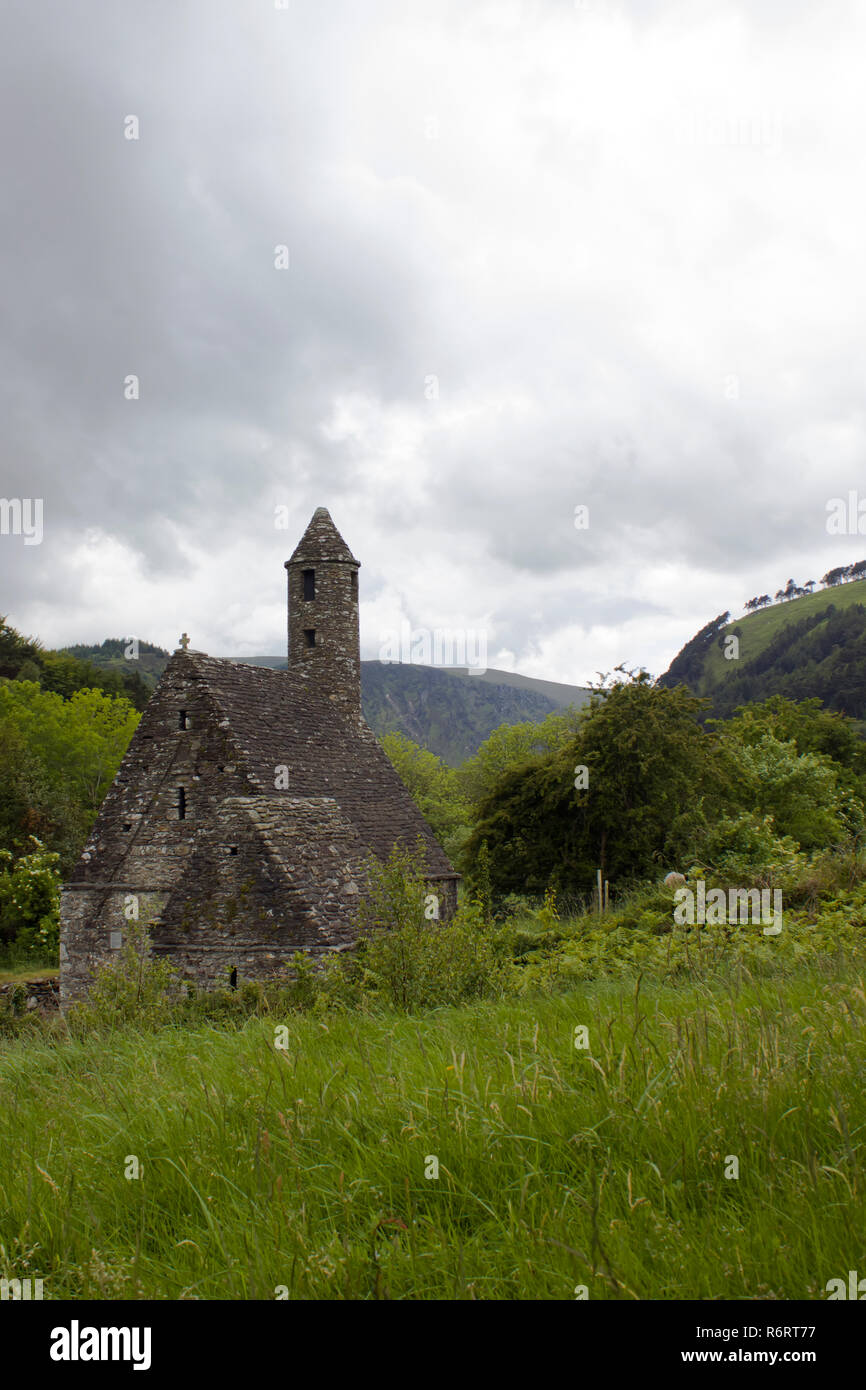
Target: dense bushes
x,y
30,903
659,789
57,760
653,778
409,963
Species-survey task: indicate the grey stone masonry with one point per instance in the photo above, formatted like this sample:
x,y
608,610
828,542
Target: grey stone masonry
x,y
324,643
241,817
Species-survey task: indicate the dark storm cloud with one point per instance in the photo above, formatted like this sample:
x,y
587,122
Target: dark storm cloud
x,y
541,255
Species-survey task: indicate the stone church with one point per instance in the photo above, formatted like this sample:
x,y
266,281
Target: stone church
x,y
248,800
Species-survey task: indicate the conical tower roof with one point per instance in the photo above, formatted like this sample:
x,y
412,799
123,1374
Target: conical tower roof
x,y
321,541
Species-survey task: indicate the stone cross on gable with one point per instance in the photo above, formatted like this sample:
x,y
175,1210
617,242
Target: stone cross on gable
x,y
184,641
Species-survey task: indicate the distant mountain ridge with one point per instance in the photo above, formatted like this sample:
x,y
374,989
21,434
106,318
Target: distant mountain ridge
x,y
449,710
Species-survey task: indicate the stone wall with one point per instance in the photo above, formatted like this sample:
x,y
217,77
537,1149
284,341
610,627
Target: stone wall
x,y
140,846
42,996
272,876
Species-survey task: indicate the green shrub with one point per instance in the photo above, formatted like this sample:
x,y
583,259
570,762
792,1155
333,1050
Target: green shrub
x,y
137,987
408,958
30,903
747,849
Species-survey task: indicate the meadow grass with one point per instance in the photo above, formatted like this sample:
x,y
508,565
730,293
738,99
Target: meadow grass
x,y
303,1169
18,974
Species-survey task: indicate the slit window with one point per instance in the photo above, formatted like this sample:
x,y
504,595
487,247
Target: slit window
x,y
355,586
181,803
182,721
309,584
309,636
233,977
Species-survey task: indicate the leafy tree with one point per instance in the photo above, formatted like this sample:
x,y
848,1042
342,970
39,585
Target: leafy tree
x,y
57,760
800,791
481,885
34,802
15,650
653,777
812,729
511,746
24,659
434,787
833,577
79,742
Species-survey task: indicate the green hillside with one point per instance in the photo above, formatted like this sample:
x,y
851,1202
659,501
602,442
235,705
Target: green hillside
x,y
814,645
148,665
449,716
757,630
562,696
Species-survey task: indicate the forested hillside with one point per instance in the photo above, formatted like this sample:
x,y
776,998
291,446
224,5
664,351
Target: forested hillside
x,y
74,668
811,646
448,716
111,656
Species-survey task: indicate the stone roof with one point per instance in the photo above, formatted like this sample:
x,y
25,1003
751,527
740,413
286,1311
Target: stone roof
x,y
277,718
320,542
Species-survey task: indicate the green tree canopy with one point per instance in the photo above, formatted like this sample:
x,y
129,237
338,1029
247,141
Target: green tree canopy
x,y
652,774
57,760
806,723
433,786
511,746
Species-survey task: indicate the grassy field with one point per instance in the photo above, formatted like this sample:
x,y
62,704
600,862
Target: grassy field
x,y
11,974
758,629
305,1168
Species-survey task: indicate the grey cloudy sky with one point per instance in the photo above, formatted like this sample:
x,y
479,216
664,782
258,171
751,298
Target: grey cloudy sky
x,y
627,239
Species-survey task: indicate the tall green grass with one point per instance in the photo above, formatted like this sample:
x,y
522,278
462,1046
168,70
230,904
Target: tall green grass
x,y
559,1167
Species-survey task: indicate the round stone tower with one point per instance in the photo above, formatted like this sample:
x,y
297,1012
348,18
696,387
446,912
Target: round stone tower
x,y
324,644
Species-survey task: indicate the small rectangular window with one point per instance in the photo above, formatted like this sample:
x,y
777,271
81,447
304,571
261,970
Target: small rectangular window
x,y
309,584
233,849
310,636
181,803
182,720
